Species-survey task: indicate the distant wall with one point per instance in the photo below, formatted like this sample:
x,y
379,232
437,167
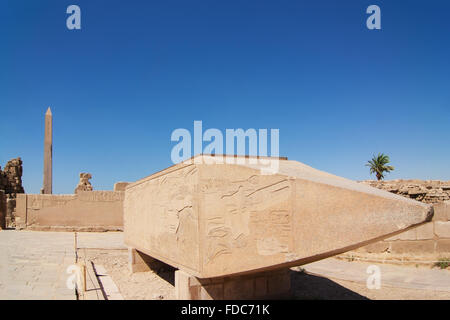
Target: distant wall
x,y
85,211
2,210
429,241
427,191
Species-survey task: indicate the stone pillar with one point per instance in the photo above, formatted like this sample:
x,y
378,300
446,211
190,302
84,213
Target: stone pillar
x,y
140,262
48,141
2,210
262,285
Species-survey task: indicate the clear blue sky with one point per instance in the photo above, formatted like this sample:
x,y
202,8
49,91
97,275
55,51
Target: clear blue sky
x,y
137,70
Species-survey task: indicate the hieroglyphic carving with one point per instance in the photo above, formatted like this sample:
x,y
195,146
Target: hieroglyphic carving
x,y
169,213
100,196
246,216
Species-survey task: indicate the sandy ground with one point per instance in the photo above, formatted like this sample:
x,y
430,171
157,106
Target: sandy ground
x,y
160,285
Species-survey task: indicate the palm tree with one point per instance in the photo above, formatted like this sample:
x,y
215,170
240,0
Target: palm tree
x,y
378,165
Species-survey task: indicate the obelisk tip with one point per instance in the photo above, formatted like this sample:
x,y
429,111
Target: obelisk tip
x,y
49,111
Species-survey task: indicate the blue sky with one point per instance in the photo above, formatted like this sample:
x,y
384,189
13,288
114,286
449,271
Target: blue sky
x,y
137,70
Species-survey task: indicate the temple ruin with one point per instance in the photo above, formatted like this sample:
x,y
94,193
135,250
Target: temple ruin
x,y
10,186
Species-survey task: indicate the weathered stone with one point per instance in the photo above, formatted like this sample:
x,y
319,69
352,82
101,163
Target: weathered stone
x,y
260,285
214,220
2,210
21,211
425,231
442,229
442,211
120,186
84,184
443,246
11,184
411,234
378,247
412,246
85,211
431,191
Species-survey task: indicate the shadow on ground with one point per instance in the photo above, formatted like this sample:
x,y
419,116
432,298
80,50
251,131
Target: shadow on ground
x,y
309,287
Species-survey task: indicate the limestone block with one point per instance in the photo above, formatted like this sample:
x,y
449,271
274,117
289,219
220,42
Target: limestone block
x,y
21,211
410,234
423,246
139,262
378,247
120,186
2,210
261,285
443,246
442,229
442,211
85,211
425,231
214,219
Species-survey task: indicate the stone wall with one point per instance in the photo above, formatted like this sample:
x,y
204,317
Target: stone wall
x,y
84,211
2,210
428,191
429,241
11,184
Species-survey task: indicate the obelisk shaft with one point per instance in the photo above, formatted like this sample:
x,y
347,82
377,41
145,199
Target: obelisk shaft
x,y
48,140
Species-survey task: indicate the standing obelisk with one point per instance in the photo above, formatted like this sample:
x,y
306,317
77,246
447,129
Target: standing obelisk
x,y
48,140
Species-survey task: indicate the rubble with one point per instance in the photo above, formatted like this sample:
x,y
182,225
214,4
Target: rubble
x,y
427,191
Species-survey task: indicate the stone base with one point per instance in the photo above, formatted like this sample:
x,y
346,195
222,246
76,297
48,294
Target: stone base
x,y
140,262
263,285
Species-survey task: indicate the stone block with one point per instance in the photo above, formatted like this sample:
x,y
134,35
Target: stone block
x,y
442,211
443,247
120,186
21,211
140,262
184,290
2,210
223,219
261,285
425,231
442,229
85,211
410,234
413,247
212,292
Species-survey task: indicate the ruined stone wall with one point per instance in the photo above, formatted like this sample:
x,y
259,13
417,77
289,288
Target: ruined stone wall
x,y
84,211
429,241
428,191
2,210
11,184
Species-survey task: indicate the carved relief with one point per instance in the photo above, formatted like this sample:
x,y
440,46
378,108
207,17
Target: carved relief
x,y
245,217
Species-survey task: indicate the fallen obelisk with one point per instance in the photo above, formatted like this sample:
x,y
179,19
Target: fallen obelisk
x,y
233,232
